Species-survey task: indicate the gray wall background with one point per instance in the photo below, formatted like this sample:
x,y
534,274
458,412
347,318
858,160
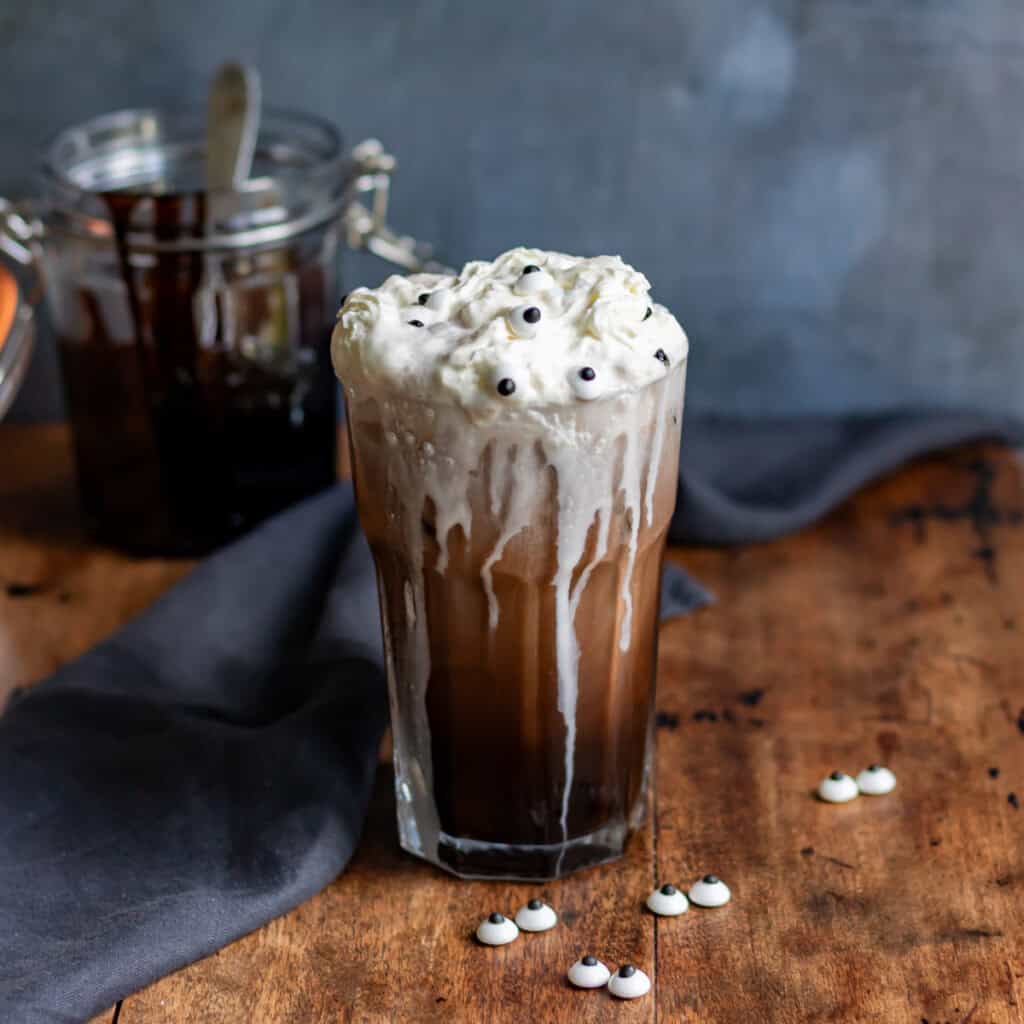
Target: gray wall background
x,y
827,192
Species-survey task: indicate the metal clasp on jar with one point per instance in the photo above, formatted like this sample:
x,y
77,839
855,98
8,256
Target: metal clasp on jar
x,y
20,234
366,227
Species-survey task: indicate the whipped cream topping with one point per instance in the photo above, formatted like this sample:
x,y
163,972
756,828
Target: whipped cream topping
x,y
529,329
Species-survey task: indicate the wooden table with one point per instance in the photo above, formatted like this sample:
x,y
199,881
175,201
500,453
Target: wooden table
x,y
893,632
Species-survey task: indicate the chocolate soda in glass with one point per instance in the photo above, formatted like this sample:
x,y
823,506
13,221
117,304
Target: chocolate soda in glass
x,y
515,440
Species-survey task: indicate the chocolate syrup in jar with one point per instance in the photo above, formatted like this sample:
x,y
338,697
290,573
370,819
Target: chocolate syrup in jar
x,y
187,435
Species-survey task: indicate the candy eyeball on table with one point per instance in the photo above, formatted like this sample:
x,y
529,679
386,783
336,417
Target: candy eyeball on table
x,y
536,916
589,972
876,780
837,788
497,930
667,901
533,280
629,982
525,320
710,891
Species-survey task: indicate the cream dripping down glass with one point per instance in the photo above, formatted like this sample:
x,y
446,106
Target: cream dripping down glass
x,y
515,441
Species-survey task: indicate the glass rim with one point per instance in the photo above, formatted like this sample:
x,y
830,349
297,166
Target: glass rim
x,y
125,115
324,179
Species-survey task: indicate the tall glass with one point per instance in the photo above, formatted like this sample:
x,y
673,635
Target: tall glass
x,y
518,565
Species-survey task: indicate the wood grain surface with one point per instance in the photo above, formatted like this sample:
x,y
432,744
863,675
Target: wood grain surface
x,y
894,632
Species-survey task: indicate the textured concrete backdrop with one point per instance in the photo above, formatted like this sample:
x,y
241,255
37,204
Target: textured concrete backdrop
x,y
828,192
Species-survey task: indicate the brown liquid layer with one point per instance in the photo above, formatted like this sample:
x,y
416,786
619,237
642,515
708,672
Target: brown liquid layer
x,y
177,464
497,736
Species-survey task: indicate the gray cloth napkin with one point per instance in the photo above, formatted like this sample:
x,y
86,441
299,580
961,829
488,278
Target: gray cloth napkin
x,y
208,767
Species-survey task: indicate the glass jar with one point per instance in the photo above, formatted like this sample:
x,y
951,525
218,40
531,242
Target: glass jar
x,y
193,325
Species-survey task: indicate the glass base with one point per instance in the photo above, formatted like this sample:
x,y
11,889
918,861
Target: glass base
x,y
469,858
420,834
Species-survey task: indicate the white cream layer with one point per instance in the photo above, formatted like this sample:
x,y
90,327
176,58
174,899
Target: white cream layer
x,y
530,328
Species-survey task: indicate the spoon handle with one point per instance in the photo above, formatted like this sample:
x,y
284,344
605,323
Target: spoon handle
x,y
233,114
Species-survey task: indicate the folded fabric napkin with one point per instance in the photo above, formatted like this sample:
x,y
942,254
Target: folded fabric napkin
x,y
208,767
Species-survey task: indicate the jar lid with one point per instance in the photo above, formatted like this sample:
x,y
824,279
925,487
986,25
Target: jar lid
x,y
16,338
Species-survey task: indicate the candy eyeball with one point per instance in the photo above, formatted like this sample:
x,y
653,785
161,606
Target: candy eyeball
x,y
536,916
437,301
497,930
837,788
589,972
524,320
629,982
710,891
585,383
505,379
876,780
667,901
533,280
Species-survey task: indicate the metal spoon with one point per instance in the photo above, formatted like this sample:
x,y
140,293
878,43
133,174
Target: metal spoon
x,y
232,124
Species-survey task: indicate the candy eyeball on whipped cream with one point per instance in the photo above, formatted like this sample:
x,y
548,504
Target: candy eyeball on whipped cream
x,y
585,384
533,280
525,320
561,329
504,380
438,301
